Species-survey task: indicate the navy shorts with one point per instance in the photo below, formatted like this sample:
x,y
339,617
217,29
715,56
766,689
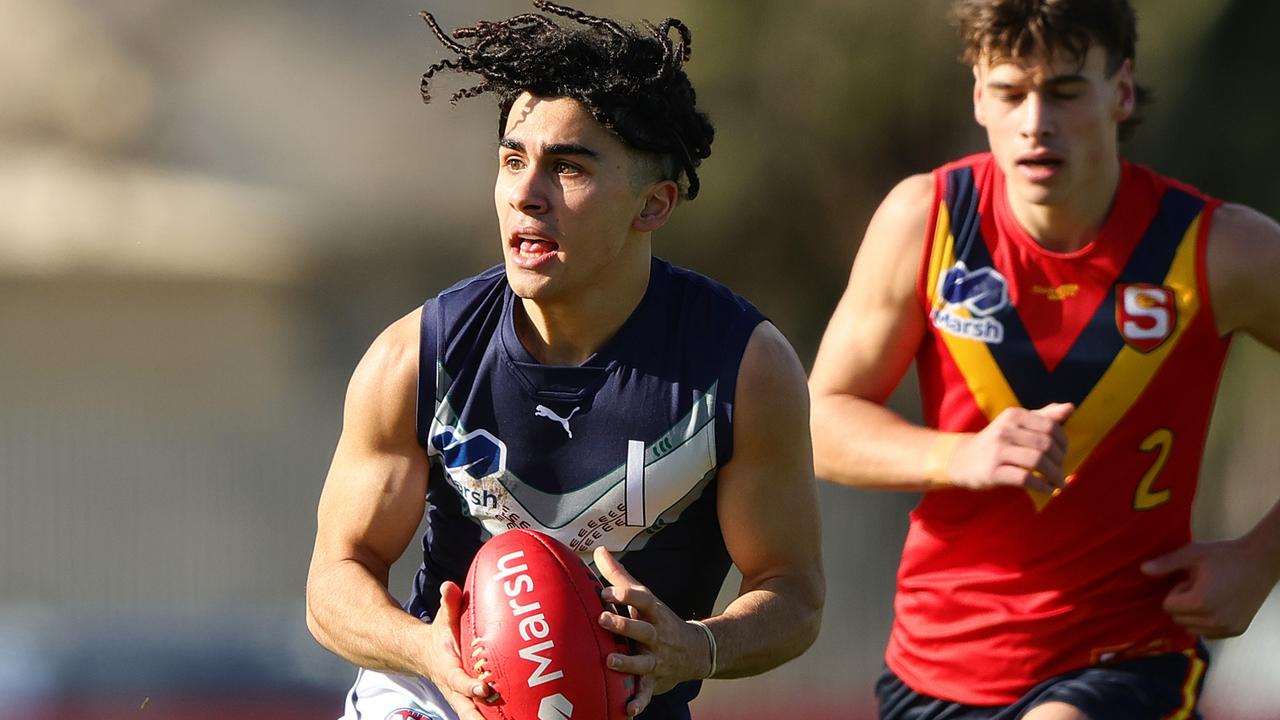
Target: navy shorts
x,y
1155,687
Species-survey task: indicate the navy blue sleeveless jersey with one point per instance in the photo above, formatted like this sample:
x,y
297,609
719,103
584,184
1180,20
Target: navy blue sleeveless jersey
x,y
621,451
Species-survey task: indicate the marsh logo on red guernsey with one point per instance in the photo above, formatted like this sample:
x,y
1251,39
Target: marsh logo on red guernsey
x,y
970,298
1145,314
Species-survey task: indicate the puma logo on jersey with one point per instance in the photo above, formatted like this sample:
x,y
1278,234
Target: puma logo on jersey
x,y
1061,292
548,413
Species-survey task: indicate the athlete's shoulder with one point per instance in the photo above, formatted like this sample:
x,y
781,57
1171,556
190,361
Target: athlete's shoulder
x,y
898,229
911,200
1242,241
385,377
1244,222
769,354
395,347
1243,260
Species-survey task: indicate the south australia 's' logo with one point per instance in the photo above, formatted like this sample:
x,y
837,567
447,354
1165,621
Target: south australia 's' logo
x,y
1146,315
969,299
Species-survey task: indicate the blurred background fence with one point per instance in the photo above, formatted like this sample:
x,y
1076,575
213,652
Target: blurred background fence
x,y
208,210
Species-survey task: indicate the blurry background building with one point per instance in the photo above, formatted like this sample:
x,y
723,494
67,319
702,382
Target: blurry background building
x,y
208,210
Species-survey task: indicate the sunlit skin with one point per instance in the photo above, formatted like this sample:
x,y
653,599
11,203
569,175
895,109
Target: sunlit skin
x,y
576,209
1052,127
575,225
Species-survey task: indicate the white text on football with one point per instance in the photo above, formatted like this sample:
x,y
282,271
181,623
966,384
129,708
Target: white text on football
x,y
533,625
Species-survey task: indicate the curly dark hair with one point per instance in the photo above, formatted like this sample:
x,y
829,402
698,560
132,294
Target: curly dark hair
x,y
1025,29
631,79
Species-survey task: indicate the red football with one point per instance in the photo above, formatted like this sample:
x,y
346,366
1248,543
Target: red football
x,y
530,612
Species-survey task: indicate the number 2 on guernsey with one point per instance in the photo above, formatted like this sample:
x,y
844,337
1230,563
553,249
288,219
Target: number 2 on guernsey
x,y
1161,442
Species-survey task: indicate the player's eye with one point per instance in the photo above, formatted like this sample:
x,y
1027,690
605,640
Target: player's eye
x,y
513,163
566,168
1067,92
1007,92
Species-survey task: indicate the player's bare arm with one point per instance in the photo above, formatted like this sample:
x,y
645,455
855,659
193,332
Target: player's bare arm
x,y
1243,259
768,514
370,508
1226,582
867,348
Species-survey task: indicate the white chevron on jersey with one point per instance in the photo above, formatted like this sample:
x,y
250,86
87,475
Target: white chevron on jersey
x,y
676,469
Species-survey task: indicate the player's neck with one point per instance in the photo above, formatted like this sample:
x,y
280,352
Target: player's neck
x,y
1070,225
567,331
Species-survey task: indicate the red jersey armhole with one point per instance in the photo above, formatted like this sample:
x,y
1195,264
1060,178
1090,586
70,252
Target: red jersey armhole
x,y
930,229
1202,255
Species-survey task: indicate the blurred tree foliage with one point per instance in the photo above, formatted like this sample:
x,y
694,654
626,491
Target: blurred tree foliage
x,y
1217,118
820,108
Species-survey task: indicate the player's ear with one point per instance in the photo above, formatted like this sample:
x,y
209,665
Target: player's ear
x,y
977,96
1126,91
659,200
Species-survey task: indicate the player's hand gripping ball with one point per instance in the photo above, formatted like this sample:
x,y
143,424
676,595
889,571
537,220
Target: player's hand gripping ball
x,y
530,628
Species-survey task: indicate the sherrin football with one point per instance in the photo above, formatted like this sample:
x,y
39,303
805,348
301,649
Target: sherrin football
x,y
530,627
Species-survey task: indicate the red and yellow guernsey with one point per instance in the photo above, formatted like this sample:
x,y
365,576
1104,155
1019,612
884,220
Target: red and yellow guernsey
x,y
1000,590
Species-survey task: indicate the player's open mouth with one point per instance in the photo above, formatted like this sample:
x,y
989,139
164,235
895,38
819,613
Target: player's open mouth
x,y
531,249
1039,167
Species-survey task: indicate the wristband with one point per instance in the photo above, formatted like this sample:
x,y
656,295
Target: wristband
x,y
938,460
711,640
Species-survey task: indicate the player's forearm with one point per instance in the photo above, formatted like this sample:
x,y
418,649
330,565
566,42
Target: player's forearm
x,y
350,612
860,443
765,627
